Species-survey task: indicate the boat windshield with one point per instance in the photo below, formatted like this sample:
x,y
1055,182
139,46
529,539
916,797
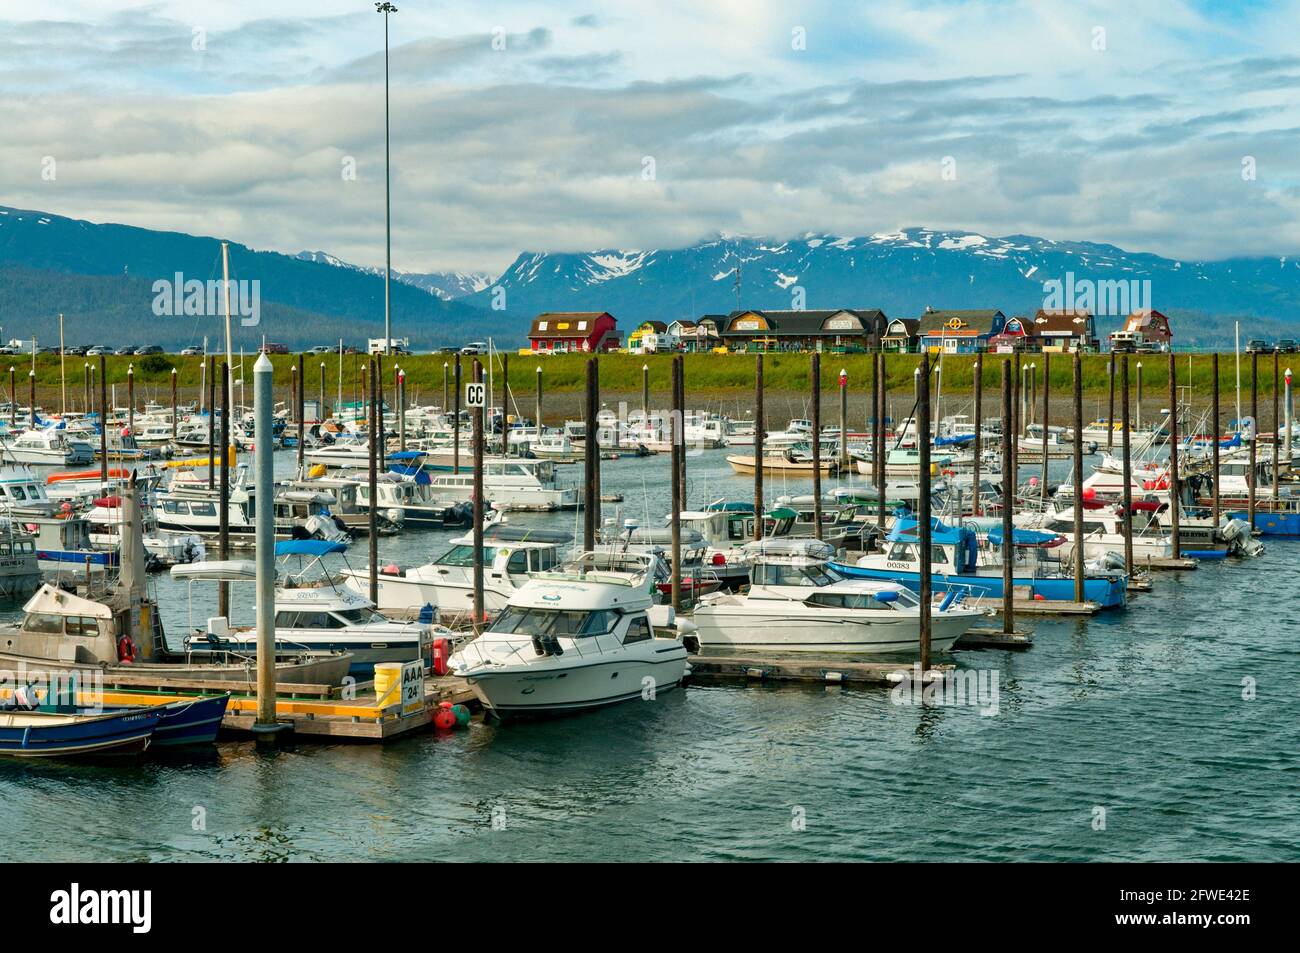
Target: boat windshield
x,y
362,616
783,574
463,555
860,600
563,623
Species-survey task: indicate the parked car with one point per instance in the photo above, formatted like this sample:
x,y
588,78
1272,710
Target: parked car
x,y
475,347
1286,346
149,349
191,351
98,349
126,349
1257,346
320,349
270,348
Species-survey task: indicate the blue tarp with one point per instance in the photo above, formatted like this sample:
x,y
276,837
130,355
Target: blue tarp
x,y
939,532
957,441
407,455
1021,537
308,547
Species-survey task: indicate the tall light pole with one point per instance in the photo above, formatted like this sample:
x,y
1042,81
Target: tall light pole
x,y
386,9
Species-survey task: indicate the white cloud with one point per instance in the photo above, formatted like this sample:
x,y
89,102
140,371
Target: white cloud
x,y
541,146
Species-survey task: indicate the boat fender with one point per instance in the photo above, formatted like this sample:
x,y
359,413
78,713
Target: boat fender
x,y
441,654
125,649
445,718
949,598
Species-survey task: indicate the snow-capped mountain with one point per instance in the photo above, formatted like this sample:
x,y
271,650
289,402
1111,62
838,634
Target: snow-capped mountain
x,y
448,286
900,272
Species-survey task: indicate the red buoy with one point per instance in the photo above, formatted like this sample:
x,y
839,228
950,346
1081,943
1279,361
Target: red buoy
x,y
444,719
441,653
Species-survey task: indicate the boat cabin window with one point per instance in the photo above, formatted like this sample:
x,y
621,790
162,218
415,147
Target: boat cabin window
x,y
43,622
17,493
638,630
517,564
563,623
462,554
81,625
306,620
777,574
847,600
203,509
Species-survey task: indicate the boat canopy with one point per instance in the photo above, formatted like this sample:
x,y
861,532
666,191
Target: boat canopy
x,y
940,533
521,534
51,600
220,570
1025,537
957,440
308,547
790,546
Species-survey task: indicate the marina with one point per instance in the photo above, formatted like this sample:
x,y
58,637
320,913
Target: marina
x,y
722,654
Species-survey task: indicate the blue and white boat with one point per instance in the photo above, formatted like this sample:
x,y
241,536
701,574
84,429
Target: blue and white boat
x,y
190,721
961,557
43,734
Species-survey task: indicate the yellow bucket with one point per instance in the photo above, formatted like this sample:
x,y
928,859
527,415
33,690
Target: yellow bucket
x,y
317,471
388,684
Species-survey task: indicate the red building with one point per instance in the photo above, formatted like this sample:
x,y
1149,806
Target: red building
x,y
563,332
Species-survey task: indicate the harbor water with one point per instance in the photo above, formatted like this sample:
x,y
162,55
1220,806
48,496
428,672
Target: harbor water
x,y
1164,732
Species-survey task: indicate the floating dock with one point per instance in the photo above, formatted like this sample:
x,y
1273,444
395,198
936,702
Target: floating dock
x,y
827,671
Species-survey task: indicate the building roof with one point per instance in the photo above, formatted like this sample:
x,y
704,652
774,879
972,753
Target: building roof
x,y
910,325
1142,320
1057,323
566,324
802,323
686,324
950,321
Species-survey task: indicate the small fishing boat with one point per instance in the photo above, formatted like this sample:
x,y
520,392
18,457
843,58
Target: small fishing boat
x,y
789,461
48,446
42,734
962,557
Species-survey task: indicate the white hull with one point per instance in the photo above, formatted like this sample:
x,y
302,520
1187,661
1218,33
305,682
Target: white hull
x,y
582,684
399,594
784,627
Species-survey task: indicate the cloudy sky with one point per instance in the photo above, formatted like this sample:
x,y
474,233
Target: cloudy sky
x,y
1168,126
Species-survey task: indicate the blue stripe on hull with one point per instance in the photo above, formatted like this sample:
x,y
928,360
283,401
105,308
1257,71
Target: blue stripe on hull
x,y
1107,593
1273,524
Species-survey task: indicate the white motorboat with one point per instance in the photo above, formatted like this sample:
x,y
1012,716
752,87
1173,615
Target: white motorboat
x,y
509,554
797,603
578,637
315,615
512,483
48,447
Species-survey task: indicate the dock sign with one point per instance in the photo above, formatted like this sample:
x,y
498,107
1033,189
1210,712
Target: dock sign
x,y
475,394
412,687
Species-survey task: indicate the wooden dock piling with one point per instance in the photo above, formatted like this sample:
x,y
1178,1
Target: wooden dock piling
x,y
1077,478
1251,479
923,508
1127,471
1047,387
537,409
1214,433
212,418
591,461
299,412
758,446
844,419
976,504
1175,494
878,447
455,419
678,447
1008,500
103,425
815,377
1110,404
173,400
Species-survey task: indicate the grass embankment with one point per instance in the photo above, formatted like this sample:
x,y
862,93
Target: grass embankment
x,y
709,374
